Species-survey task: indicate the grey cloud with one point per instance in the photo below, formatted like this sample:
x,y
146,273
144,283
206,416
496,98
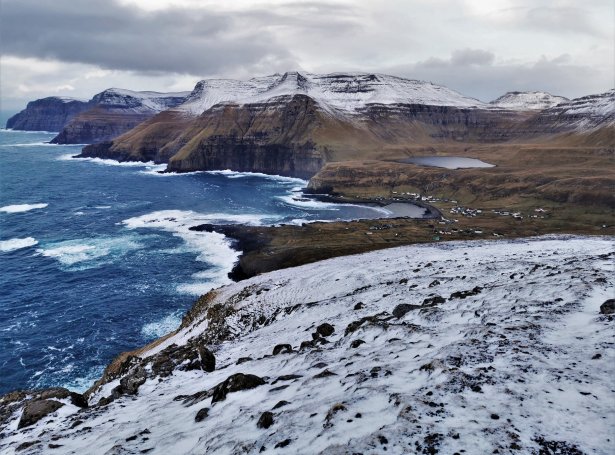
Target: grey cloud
x,y
115,36
486,80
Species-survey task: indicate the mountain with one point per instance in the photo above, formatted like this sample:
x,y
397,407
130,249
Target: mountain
x,y
528,100
47,114
478,346
113,112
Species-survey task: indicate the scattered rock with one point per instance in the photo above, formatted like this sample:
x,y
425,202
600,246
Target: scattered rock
x,y
282,443
280,404
325,329
596,356
434,283
35,410
324,374
359,306
25,445
495,417
265,420
282,349
356,343
200,416
608,307
433,300
132,381
400,310
331,413
208,360
235,383
241,360
464,294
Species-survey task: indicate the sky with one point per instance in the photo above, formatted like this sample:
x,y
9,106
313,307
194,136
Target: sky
x,y
481,48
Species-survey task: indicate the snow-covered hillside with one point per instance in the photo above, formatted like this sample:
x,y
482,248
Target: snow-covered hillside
x,y
528,100
475,347
347,92
145,102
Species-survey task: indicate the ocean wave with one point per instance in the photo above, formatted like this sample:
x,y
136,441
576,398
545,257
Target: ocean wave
x,y
161,327
109,162
212,248
234,175
307,203
89,253
17,208
17,244
11,130
30,144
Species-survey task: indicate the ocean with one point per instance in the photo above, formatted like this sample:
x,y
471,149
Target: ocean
x,y
96,257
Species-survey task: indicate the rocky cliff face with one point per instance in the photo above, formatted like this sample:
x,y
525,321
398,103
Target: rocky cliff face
x,y
113,112
47,114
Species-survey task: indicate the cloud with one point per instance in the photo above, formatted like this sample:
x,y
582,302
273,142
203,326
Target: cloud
x,y
124,37
478,73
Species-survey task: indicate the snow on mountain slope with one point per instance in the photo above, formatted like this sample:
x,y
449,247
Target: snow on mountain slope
x,y
528,100
138,102
588,111
471,347
348,92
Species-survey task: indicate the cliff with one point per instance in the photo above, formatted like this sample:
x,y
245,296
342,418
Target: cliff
x,y
390,357
47,114
113,112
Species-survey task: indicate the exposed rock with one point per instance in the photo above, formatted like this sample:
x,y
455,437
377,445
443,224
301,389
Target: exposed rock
x,y
430,301
265,420
282,349
200,416
325,329
235,383
130,383
608,307
400,310
47,114
208,360
35,410
356,343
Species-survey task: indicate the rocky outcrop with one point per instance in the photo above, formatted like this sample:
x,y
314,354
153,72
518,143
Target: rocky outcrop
x,y
47,114
113,112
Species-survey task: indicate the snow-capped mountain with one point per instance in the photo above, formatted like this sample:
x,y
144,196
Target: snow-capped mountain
x,y
346,92
476,347
585,113
528,100
141,102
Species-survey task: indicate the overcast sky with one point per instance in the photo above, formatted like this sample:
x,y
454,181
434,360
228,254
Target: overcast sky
x,y
481,48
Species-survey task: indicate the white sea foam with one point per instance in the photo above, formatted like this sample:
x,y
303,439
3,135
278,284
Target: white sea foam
x,y
21,207
212,248
89,253
234,175
108,162
161,327
17,244
307,203
31,144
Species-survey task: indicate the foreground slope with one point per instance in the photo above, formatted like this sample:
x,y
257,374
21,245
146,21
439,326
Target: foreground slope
x,y
471,347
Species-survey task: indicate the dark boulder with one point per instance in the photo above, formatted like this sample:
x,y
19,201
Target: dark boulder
x,y
265,420
325,329
235,383
608,307
282,349
201,415
356,343
400,310
208,360
35,410
132,381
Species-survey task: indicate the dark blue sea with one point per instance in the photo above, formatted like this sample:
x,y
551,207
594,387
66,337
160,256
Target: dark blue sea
x,y
96,257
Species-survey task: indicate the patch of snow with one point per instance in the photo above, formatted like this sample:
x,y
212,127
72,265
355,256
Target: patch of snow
x,y
345,92
513,357
528,100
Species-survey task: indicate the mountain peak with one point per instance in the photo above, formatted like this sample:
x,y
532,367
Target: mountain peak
x,y
532,100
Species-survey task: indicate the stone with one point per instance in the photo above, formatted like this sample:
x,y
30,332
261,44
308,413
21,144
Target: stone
x,y
400,310
356,343
208,360
35,410
235,383
200,416
132,381
265,420
325,329
282,349
608,307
